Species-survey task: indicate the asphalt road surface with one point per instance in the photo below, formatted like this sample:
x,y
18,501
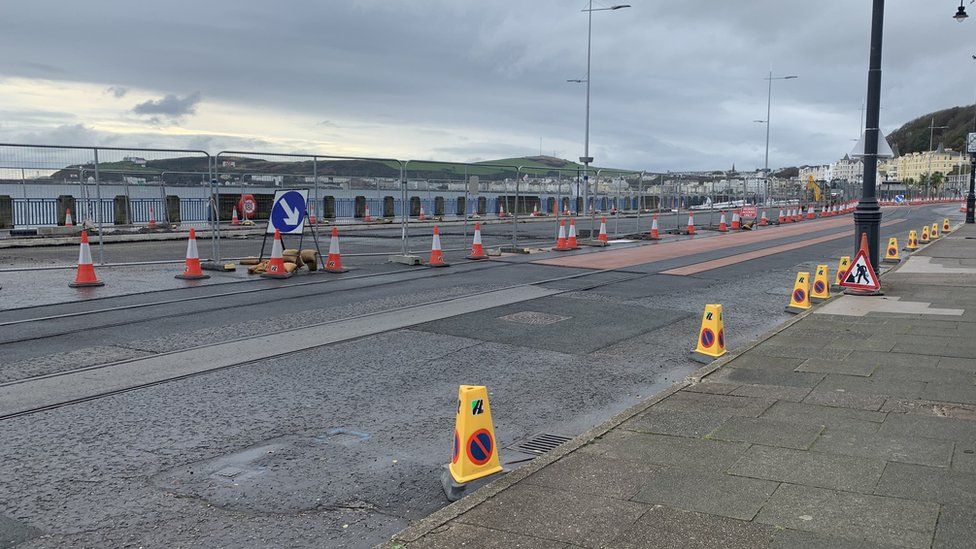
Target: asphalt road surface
x,y
317,411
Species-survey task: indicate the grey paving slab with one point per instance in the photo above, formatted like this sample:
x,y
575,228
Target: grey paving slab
x,y
922,451
833,418
699,402
663,526
458,534
675,422
795,394
767,432
710,386
957,528
750,360
933,408
846,367
784,351
695,454
962,364
713,493
798,539
964,457
919,482
596,475
759,376
936,350
916,425
849,515
860,343
895,388
845,399
837,472
579,519
925,371
876,359
959,392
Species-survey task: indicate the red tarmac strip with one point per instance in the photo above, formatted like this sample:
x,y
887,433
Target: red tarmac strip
x,y
617,259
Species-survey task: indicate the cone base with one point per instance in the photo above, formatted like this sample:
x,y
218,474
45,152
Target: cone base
x,y
335,270
93,284
849,291
907,249
454,490
892,261
797,310
439,264
818,299
702,358
653,238
185,276
476,257
273,275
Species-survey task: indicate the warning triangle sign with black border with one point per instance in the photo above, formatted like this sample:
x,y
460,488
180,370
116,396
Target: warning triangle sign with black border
x,y
860,275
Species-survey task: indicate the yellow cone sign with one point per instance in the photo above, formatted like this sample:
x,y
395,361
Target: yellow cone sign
x,y
912,241
821,284
935,231
711,335
945,225
891,251
924,239
800,298
842,266
475,450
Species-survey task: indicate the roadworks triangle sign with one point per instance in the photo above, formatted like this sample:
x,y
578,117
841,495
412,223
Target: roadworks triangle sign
x,y
860,275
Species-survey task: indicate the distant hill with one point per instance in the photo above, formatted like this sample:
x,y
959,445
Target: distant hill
x,y
534,166
914,136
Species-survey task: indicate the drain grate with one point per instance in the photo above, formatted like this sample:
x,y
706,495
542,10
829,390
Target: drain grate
x,y
534,318
542,444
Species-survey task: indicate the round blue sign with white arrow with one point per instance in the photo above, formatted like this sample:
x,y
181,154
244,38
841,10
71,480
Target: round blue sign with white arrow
x,y
288,211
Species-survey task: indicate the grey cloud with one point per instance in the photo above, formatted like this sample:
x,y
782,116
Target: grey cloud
x,y
675,85
170,106
117,91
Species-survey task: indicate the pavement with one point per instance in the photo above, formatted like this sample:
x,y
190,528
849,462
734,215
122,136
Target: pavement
x,y
851,425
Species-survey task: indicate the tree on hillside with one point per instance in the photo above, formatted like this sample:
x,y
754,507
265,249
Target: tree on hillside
x,y
936,181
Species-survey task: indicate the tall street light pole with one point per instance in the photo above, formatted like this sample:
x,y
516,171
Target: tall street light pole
x,y
769,102
867,216
586,159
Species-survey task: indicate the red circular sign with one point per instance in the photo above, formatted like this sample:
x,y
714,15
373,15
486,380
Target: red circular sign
x,y
480,447
707,338
721,339
250,206
799,295
819,286
892,251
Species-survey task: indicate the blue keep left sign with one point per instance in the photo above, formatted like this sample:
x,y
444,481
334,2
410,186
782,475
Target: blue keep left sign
x,y
288,211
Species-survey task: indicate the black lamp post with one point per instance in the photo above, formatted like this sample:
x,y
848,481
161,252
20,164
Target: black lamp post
x,y
961,16
867,216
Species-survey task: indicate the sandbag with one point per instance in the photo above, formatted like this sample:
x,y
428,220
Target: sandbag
x,y
310,259
290,267
250,261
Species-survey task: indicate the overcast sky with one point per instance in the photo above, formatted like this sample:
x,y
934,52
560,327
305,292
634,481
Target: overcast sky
x,y
675,85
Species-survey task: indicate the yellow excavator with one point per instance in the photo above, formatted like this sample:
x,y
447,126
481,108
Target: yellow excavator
x,y
813,188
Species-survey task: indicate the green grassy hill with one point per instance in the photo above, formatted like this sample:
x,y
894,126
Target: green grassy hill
x,y
914,136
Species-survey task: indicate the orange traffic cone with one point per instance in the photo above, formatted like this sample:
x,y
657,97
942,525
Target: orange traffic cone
x,y
233,217
691,223
762,220
501,210
422,217
571,239
810,214
276,265
736,221
68,222
561,244
333,263
477,250
152,218
782,218
366,216
193,271
436,256
86,270
722,226
655,233
602,237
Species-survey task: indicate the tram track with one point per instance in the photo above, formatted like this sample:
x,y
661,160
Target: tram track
x,y
61,379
